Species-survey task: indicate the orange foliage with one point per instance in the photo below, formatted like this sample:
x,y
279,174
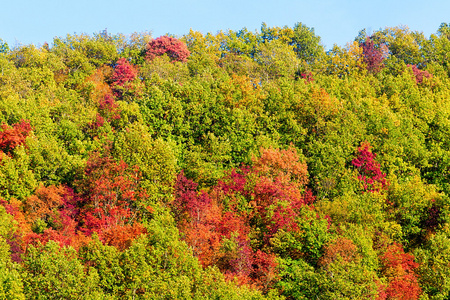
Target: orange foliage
x,y
264,198
11,137
399,267
44,203
204,242
121,237
341,248
281,165
99,81
15,208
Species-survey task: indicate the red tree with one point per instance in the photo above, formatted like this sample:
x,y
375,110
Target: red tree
x,y
11,137
111,194
49,214
369,169
256,201
175,49
108,111
399,267
373,57
419,74
124,74
307,76
111,204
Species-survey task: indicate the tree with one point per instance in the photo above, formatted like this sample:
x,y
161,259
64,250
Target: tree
x,y
4,48
444,30
53,272
403,44
306,43
237,224
369,170
419,75
433,271
112,202
399,267
124,74
277,59
175,49
11,137
11,286
373,57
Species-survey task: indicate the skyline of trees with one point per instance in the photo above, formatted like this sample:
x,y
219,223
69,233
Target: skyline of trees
x,y
236,165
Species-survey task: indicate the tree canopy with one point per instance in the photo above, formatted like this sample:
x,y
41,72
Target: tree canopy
x,y
235,165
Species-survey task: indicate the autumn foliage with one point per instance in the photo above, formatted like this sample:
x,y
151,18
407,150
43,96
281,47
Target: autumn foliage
x,y
419,75
123,72
175,49
399,268
111,194
342,249
122,77
108,206
11,137
373,57
265,197
226,166
370,174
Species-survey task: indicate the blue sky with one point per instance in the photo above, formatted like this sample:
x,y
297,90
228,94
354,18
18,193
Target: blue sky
x,y
31,21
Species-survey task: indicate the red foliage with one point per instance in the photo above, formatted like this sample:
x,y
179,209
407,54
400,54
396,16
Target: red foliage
x,y
12,137
342,248
404,288
307,76
198,219
174,48
396,259
44,203
235,181
111,194
264,269
187,202
121,237
279,190
419,74
109,206
52,207
373,57
399,267
206,226
99,122
14,241
433,217
57,207
262,199
369,170
108,111
124,74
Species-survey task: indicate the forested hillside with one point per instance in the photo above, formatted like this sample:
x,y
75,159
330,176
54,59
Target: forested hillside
x,y
236,165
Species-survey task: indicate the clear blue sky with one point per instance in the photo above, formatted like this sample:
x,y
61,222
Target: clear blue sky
x,y
33,21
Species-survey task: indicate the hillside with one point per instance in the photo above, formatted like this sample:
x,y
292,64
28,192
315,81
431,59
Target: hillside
x,y
236,165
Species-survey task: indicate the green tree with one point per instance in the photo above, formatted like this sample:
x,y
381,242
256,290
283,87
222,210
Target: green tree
x,y
306,43
4,48
49,272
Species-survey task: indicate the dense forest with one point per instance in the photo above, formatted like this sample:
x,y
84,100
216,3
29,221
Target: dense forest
x,y
235,165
